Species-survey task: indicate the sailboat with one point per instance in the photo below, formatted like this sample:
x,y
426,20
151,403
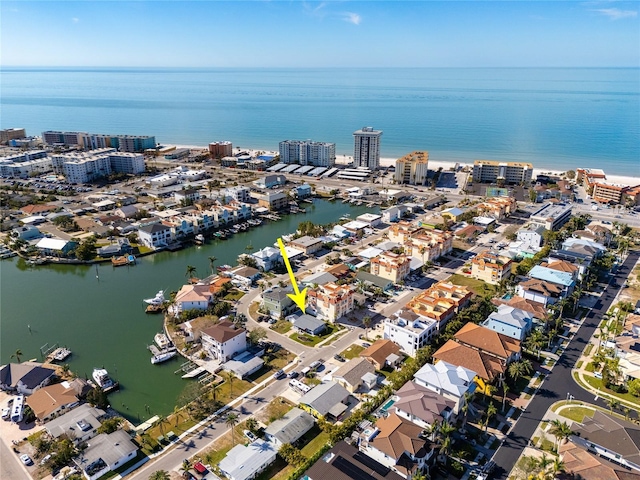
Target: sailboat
x,y
97,275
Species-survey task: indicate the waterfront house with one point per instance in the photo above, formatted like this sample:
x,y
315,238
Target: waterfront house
x,y
303,191
268,258
346,462
55,246
331,301
325,401
490,267
382,353
193,297
271,200
351,375
245,276
25,378
245,462
80,424
52,400
391,266
615,439
277,302
244,364
309,325
510,321
450,381
155,235
398,445
106,452
290,428
422,406
307,244
223,340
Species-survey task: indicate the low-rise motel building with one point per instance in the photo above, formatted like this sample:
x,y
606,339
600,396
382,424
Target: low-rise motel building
x,y
492,171
616,194
490,267
391,266
498,207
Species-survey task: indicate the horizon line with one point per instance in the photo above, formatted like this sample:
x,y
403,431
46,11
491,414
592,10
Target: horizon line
x,y
319,68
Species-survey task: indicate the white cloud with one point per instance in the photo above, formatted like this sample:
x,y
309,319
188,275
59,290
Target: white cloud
x,y
352,17
616,13
75,19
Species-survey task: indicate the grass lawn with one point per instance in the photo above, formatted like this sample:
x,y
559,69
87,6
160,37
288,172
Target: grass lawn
x,y
476,286
548,445
590,367
276,361
170,424
142,249
280,470
281,326
352,352
313,340
597,383
275,410
253,310
588,349
576,414
579,364
234,295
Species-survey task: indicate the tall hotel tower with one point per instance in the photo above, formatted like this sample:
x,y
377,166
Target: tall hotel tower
x,y
366,151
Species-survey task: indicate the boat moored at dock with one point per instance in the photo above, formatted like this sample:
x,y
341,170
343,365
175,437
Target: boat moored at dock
x,y
103,380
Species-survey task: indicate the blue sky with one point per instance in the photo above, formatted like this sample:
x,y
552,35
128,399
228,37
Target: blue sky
x,y
323,34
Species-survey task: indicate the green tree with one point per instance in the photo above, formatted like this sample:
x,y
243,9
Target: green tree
x,y
561,430
613,404
491,411
230,377
212,261
257,335
110,425
519,369
231,421
633,386
86,250
291,455
191,271
17,354
366,321
252,424
159,475
98,398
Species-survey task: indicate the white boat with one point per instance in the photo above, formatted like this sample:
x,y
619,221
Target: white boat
x,y
102,378
163,357
60,354
157,300
162,341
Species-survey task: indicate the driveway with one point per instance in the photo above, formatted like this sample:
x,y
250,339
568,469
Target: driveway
x,y
560,381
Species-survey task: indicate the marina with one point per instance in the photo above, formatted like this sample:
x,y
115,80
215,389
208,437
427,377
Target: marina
x,y
110,327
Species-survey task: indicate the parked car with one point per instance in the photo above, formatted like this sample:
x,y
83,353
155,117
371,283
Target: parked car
x,y
26,459
6,413
366,345
250,436
340,358
279,374
293,375
45,459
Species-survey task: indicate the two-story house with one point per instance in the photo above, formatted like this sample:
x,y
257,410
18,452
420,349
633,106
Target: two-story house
x,y
510,321
223,341
451,381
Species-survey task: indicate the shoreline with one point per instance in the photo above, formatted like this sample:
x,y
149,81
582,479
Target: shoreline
x,y
341,159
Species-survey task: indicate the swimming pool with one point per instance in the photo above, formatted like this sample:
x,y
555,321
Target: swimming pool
x,y
388,405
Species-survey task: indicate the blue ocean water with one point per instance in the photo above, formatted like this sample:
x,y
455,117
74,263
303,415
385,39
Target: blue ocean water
x,y
554,118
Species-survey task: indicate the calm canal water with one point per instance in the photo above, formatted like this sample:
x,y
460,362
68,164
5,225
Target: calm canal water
x,y
103,321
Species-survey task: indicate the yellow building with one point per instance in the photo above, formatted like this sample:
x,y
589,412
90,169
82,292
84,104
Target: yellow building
x,y
492,171
413,168
490,267
391,266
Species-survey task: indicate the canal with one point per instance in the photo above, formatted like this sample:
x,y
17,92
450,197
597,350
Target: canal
x,y
102,320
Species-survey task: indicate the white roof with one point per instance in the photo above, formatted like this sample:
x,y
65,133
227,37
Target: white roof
x,y
293,252
104,203
355,225
370,253
369,217
244,462
447,377
51,244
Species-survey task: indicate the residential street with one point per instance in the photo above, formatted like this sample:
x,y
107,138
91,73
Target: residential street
x,y
560,381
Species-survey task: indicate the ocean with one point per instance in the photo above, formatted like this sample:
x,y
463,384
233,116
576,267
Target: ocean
x,y
552,117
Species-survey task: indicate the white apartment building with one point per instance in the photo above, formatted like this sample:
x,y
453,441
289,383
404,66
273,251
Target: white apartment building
x,y
24,169
409,330
306,152
366,151
87,169
491,171
126,162
413,168
239,194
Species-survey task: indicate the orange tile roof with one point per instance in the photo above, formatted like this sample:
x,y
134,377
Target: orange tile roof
x,y
398,436
380,350
561,266
48,399
487,340
31,209
223,331
485,366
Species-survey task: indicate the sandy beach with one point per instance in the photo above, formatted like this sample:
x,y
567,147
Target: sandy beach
x,y
434,165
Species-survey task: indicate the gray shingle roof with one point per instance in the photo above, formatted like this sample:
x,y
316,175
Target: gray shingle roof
x,y
324,397
292,426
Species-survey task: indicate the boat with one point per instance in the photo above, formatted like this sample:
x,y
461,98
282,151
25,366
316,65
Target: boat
x,y
103,380
157,300
163,356
60,354
223,268
199,239
162,340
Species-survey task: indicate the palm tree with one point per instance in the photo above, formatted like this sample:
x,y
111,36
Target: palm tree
x,y
229,377
560,430
613,403
191,271
159,475
505,389
557,467
212,261
177,413
366,321
491,411
535,342
520,368
17,354
232,421
160,423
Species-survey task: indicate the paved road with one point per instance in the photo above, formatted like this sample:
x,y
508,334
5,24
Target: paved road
x,y
10,466
560,381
